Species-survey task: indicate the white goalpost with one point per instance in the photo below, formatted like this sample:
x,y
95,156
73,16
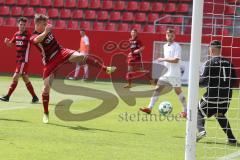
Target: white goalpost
x,y
195,52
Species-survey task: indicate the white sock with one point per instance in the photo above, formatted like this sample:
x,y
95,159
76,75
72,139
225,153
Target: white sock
x,y
77,69
182,99
153,101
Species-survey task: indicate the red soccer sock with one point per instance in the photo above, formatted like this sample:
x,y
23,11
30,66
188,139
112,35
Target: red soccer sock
x,y
12,88
94,61
30,89
45,100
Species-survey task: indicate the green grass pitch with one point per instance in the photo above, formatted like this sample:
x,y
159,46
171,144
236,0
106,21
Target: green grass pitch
x,y
23,136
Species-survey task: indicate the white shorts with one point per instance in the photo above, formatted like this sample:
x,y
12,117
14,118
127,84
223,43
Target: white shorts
x,y
174,81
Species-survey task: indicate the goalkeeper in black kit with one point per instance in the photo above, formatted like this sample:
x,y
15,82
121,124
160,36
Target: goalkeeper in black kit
x,y
218,77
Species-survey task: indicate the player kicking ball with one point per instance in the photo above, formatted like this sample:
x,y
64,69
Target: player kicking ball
x,y
218,77
22,41
54,55
171,59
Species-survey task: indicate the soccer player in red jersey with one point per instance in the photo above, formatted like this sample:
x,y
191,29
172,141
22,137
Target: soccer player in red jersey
x,y
54,55
22,41
135,64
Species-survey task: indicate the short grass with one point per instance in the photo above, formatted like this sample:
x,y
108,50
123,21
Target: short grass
x,y
123,133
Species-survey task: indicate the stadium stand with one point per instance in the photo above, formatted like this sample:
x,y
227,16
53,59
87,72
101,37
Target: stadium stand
x,y
119,15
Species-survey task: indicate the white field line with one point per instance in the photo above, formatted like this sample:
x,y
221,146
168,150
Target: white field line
x,y
231,156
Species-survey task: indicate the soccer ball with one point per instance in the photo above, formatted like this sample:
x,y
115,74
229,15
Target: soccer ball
x,y
165,108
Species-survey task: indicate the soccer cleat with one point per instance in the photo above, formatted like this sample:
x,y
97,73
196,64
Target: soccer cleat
x,y
72,78
183,114
45,118
201,135
110,70
146,110
35,99
127,86
5,98
232,141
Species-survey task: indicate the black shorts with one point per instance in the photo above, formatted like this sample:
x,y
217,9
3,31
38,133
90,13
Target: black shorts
x,y
209,109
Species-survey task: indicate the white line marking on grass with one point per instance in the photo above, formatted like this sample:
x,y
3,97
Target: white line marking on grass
x,y
12,108
231,156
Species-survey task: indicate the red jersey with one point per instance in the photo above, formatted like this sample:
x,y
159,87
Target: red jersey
x,y
49,47
134,44
22,42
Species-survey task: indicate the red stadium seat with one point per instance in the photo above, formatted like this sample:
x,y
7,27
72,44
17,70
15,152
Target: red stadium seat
x,y
73,25
98,26
183,8
157,7
127,17
144,6
107,5
166,18
95,4
34,2
123,27
152,17
179,19
222,31
161,29
10,22
138,27
228,22
110,27
41,10
22,2
1,21
61,24
115,16
77,14
53,13
207,31
170,8
132,6
231,1
65,13
28,12
1,1
16,11
46,3
188,30
4,10
148,28
119,5
177,30
90,14
83,4
58,3
70,4
10,2
85,25
140,17
230,10
102,15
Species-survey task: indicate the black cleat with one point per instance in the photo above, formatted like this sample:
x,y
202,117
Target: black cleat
x,y
232,141
35,99
5,98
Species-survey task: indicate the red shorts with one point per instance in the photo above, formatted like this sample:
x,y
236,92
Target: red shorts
x,y
61,57
135,66
22,68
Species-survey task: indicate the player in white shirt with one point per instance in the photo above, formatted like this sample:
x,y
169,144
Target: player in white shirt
x,y
171,59
84,49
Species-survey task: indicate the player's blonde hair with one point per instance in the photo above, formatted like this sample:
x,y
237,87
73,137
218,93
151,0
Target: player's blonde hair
x,y
40,17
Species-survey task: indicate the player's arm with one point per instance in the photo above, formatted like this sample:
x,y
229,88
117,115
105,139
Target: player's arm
x,y
40,37
139,50
233,76
170,60
9,42
204,78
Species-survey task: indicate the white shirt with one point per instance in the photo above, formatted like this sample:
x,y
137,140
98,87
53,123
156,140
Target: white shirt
x,y
172,51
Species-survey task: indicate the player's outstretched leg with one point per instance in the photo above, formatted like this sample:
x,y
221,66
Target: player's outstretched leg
x,y
224,123
30,88
45,97
182,99
11,88
200,126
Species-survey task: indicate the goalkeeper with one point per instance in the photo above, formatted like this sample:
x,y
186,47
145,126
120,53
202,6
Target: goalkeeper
x,y
218,77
